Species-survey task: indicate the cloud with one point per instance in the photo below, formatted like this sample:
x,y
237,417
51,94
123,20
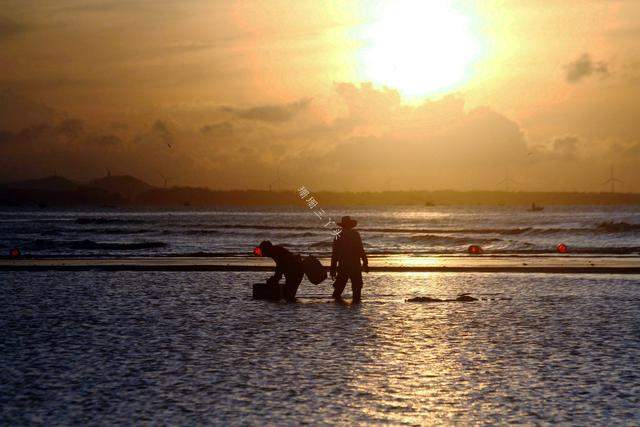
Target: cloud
x,y
565,148
633,151
160,129
18,111
5,137
218,130
9,28
122,6
584,67
367,140
71,128
105,140
52,133
270,113
44,132
364,100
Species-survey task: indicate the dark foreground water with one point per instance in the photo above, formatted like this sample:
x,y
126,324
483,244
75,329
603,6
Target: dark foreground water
x,y
189,348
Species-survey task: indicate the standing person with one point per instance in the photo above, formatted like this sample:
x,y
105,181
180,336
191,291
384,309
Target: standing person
x,y
287,264
346,254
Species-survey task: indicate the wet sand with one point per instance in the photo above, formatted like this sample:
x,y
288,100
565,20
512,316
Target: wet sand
x,y
490,264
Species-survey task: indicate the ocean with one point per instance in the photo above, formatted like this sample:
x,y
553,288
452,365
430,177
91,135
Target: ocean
x,y
438,230
189,347
192,348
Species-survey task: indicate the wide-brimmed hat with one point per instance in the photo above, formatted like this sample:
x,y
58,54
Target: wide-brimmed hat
x,y
347,222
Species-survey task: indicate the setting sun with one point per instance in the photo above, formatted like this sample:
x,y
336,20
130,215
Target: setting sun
x,y
419,47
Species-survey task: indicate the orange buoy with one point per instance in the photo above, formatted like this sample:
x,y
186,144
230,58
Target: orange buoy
x,y
562,248
475,250
15,253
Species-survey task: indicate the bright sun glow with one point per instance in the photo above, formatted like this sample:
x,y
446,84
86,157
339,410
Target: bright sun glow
x,y
419,47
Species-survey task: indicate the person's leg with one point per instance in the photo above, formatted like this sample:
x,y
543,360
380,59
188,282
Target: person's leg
x,y
356,286
339,284
292,281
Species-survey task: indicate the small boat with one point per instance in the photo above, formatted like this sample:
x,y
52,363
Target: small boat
x,y
535,208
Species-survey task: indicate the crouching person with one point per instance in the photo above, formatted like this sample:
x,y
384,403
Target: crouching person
x,y
287,264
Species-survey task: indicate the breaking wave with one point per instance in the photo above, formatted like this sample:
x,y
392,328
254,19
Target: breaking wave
x,y
112,221
617,227
448,240
45,244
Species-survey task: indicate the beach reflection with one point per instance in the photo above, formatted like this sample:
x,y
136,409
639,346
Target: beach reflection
x,y
414,357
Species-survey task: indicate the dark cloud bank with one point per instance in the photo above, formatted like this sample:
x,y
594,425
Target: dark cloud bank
x,y
373,142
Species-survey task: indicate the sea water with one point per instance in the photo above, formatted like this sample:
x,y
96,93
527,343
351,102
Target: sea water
x,y
411,230
193,348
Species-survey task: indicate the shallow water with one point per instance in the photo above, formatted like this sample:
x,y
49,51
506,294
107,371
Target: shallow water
x,y
186,348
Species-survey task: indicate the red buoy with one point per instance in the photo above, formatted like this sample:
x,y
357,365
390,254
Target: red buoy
x,y
562,248
15,253
257,251
475,250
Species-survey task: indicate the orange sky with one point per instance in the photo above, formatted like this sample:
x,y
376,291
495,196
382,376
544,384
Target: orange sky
x,y
344,95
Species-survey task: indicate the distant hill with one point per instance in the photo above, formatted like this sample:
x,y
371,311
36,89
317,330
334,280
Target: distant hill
x,y
124,185
49,183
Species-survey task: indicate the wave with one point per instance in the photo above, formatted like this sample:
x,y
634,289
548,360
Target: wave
x,y
604,227
617,227
446,240
631,250
46,244
307,234
106,220
322,244
117,230
205,254
200,231
627,250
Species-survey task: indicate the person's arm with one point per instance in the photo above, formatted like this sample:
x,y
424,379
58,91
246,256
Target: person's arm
x,y
277,257
363,255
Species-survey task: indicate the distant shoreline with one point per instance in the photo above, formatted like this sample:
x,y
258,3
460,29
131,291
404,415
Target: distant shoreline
x,y
129,191
187,197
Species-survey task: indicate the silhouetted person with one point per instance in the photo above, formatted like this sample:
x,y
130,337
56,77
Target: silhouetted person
x,y
287,264
345,260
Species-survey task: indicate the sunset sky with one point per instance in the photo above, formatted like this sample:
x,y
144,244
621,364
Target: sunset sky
x,y
345,95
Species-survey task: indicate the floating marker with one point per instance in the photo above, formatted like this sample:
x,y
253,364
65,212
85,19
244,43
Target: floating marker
x,y
562,248
15,253
257,251
475,250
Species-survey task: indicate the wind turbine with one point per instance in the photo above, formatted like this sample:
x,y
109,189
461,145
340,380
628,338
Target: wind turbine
x,y
612,180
